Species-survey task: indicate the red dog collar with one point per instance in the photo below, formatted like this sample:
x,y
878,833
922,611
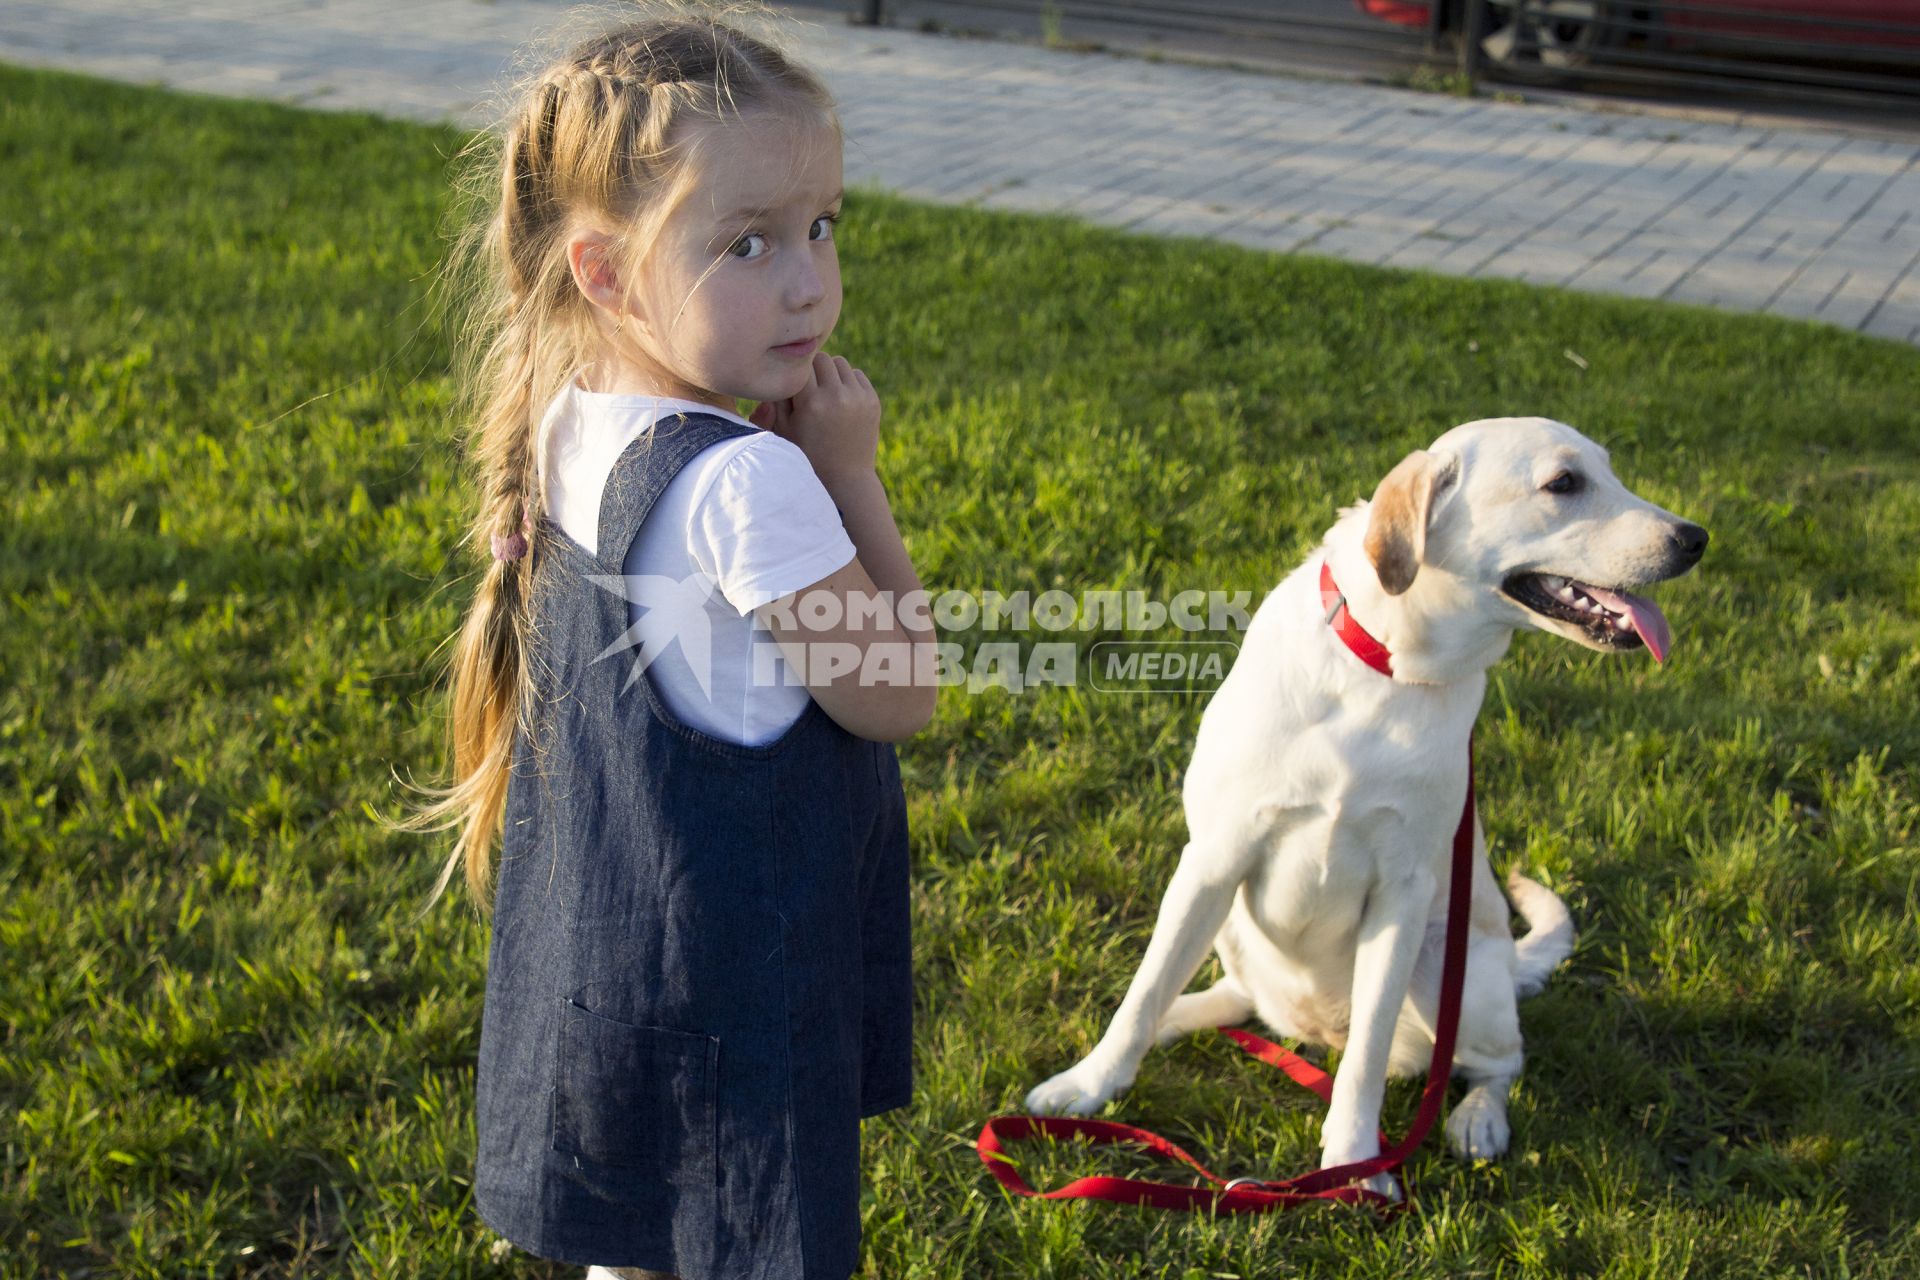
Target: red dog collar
x,y
1340,618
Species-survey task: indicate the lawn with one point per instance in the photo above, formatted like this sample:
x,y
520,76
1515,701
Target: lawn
x,y
233,520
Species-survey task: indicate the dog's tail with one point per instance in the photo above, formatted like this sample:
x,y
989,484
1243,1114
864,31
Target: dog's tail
x,y
1549,937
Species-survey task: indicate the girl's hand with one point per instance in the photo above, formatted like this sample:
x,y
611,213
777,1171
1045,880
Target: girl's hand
x,y
835,419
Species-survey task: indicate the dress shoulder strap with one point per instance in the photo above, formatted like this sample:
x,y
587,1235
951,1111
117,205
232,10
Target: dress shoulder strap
x,y
644,469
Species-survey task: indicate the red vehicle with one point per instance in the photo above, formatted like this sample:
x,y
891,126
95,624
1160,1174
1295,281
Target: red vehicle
x,y
1566,33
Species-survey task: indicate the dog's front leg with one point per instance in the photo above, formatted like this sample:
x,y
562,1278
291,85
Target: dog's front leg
x,y
1392,926
1191,913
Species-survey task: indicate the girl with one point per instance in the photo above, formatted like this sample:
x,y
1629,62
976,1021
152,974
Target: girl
x,y
699,978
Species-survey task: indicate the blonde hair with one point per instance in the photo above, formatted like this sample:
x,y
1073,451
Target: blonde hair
x,y
597,137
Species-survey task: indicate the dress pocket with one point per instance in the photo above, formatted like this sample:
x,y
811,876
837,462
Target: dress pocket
x,y
637,1097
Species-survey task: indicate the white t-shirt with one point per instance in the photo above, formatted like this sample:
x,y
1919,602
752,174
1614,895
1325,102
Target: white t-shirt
x,y
744,522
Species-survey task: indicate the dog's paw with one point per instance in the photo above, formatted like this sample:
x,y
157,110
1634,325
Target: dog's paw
x,y
1383,1184
1478,1129
1380,1183
1077,1091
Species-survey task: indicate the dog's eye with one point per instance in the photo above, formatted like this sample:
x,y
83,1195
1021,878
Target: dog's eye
x,y
1565,482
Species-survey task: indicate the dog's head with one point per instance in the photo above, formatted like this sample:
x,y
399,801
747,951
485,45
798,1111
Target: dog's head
x,y
1529,509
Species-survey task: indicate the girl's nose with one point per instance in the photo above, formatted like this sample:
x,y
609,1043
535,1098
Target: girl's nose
x,y
806,285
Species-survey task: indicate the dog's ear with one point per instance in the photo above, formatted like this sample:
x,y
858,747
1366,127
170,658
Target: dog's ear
x,y
1396,539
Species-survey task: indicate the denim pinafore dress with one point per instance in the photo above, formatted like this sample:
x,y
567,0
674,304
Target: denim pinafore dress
x,y
699,978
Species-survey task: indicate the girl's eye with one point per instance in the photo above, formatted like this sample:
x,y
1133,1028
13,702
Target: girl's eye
x,y
822,228
751,245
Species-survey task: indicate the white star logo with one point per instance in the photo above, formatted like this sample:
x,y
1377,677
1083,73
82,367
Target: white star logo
x,y
681,606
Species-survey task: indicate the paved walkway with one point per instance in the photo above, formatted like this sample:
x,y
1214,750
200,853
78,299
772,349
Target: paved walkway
x,y
1796,222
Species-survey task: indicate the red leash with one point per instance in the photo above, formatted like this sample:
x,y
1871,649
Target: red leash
x,y
1249,1195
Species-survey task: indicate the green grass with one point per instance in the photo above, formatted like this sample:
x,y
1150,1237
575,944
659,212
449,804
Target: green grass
x,y
232,527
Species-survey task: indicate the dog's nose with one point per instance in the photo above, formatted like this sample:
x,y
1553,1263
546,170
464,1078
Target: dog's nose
x,y
1690,540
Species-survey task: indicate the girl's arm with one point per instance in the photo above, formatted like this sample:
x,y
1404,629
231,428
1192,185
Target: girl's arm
x,y
860,650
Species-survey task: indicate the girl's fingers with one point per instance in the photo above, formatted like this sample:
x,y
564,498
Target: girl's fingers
x,y
813,381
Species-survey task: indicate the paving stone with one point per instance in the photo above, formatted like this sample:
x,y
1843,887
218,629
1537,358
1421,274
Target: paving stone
x,y
1734,281
1897,320
1655,276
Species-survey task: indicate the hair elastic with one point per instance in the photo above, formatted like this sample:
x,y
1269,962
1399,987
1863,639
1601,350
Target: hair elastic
x,y
511,546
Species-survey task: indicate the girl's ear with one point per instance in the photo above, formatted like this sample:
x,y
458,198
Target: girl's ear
x,y
590,255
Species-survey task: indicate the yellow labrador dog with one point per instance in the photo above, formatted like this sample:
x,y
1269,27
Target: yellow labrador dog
x,y
1323,796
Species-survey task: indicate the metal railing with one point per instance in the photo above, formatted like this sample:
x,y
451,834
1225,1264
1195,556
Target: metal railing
x,y
1260,27
1853,53
1697,45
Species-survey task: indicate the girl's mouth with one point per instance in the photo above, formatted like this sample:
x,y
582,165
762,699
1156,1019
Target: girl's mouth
x,y
804,347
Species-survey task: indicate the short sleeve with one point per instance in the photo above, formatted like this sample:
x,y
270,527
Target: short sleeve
x,y
766,526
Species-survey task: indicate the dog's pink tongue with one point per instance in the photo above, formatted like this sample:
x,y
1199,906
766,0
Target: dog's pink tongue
x,y
1645,616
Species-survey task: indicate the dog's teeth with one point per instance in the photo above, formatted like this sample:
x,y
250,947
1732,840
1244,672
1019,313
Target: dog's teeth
x,y
1564,592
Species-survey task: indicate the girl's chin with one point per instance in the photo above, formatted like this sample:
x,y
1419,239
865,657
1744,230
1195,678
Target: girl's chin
x,y
778,389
